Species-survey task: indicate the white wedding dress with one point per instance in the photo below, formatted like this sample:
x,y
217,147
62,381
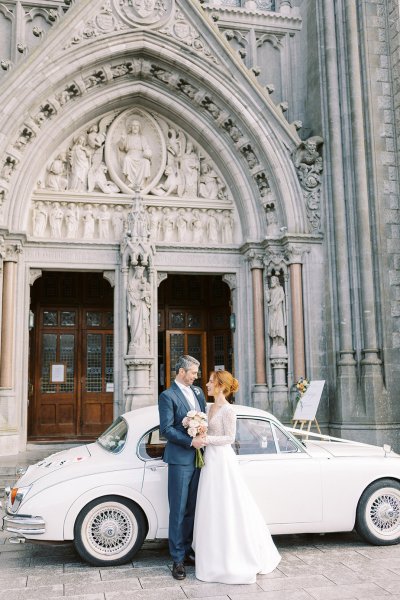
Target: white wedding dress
x,y
231,540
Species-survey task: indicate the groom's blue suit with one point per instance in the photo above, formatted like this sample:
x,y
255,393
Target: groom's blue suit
x,y
183,476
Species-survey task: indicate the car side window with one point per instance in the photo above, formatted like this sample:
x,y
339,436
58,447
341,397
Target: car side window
x,y
152,445
254,436
284,442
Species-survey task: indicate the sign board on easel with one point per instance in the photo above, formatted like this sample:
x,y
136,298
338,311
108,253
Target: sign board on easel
x,y
307,405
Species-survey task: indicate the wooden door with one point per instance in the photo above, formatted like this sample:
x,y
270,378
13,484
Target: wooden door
x,y
70,356
182,342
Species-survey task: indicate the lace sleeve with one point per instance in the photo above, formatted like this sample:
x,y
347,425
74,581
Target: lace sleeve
x,y
229,430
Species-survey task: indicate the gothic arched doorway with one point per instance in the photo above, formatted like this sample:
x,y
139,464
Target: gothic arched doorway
x,y
71,374
193,318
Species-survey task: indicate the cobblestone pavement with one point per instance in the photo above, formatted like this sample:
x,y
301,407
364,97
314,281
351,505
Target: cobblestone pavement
x,y
329,567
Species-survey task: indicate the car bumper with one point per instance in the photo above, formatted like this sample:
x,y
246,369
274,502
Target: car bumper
x,y
24,524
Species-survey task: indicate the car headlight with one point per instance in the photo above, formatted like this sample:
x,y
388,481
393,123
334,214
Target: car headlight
x,y
15,497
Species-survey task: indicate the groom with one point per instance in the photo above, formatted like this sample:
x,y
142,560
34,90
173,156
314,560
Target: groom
x,y
180,451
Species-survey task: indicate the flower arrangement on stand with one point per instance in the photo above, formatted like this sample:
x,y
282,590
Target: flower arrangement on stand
x,y
301,387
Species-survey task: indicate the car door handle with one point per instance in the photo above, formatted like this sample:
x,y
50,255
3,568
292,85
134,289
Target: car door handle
x,y
156,468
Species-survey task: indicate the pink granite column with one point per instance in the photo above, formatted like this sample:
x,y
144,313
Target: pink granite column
x,y
299,360
259,328
7,324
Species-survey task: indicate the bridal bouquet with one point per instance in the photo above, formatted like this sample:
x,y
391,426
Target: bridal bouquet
x,y
196,424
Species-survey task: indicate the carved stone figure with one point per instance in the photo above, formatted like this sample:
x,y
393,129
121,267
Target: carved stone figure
x,y
197,226
308,162
169,185
88,222
80,163
168,225
189,172
137,159
56,177
227,227
272,220
56,217
154,223
212,227
277,312
39,219
138,308
118,220
181,225
208,186
104,222
71,220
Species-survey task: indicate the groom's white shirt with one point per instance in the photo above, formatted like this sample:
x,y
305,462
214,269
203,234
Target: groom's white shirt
x,y
188,393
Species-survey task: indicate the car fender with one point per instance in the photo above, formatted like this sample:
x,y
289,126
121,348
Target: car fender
x,y
110,490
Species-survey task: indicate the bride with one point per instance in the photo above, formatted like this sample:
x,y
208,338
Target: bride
x,y
231,540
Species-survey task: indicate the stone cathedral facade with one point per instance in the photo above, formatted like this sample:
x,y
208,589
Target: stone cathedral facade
x,y
217,178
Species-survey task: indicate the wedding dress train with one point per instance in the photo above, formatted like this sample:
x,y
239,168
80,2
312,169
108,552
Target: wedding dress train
x,y
231,539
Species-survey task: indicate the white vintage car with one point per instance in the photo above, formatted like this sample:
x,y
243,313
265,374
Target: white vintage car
x,y
109,496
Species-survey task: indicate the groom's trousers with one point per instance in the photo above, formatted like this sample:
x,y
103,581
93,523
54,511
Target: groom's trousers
x,y
183,481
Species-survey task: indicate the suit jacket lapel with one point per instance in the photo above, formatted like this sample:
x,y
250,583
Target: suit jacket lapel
x,y
179,394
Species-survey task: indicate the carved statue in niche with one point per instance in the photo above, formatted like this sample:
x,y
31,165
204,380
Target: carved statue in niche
x,y
197,226
88,222
118,221
190,166
79,157
103,219
272,219
138,308
181,225
227,227
56,174
154,222
71,220
168,225
277,312
39,219
209,185
137,159
56,218
212,227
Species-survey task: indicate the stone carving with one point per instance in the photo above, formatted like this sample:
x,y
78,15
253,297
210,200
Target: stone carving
x,y
118,221
56,178
71,220
190,166
79,157
101,24
25,137
88,222
276,312
137,155
209,186
56,218
227,227
212,227
138,309
272,219
308,163
103,219
40,217
183,31
144,12
8,168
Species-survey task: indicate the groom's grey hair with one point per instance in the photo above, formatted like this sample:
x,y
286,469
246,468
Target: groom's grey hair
x,y
185,362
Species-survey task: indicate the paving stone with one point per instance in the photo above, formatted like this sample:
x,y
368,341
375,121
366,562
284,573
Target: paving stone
x,y
392,586
84,597
9,583
158,594
64,578
275,595
206,590
99,587
293,583
32,593
112,574
340,592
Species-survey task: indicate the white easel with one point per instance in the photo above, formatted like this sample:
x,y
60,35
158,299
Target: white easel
x,y
307,406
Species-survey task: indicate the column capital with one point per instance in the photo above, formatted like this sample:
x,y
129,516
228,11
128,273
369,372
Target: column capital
x,y
11,251
255,260
294,253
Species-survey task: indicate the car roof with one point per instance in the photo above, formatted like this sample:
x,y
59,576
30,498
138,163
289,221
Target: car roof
x,y
150,413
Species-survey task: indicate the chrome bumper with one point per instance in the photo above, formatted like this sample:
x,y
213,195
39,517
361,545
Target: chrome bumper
x,y
24,525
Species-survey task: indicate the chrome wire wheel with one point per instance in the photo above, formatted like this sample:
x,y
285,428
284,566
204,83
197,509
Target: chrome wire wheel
x,y
109,531
378,513
383,511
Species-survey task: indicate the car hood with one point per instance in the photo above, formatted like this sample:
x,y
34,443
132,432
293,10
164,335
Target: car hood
x,y
347,449
54,462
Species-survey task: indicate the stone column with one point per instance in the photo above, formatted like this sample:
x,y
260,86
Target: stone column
x,y
296,292
260,389
8,315
374,393
346,398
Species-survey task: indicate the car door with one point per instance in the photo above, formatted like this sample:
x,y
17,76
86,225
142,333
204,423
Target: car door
x,y
155,478
285,481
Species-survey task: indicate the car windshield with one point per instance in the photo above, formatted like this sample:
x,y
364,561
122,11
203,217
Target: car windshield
x,y
114,438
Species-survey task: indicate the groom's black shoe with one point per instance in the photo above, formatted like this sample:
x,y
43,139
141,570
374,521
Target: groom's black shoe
x,y
190,558
178,570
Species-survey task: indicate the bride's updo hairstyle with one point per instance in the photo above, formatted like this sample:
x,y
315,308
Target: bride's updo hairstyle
x,y
226,382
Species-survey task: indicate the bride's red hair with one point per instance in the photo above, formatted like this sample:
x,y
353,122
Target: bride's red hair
x,y
225,381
